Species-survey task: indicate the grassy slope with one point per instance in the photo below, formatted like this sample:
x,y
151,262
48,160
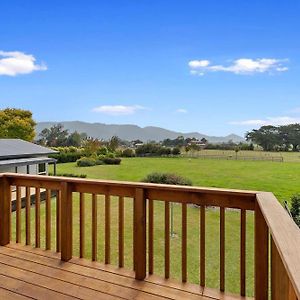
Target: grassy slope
x,y
281,178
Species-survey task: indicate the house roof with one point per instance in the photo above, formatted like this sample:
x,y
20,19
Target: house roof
x,y
15,162
16,148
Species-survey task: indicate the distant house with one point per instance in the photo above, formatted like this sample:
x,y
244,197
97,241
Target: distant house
x,y
18,156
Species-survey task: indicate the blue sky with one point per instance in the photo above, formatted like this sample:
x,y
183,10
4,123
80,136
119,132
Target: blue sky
x,y
215,67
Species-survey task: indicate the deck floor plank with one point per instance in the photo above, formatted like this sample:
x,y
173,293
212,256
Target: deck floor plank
x,y
27,272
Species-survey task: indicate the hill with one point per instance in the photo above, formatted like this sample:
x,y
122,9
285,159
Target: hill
x,y
132,132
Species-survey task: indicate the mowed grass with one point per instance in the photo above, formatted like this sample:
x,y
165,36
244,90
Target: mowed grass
x,y
280,178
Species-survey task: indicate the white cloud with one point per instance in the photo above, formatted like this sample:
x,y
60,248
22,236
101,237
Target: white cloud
x,y
199,63
244,66
118,110
15,63
181,111
284,120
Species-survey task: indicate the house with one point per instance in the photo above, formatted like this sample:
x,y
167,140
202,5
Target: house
x,y
18,156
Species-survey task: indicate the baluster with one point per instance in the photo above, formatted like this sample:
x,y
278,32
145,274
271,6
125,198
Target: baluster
x,y
243,254
261,255
37,218
58,221
27,216
81,225
167,239
18,214
48,219
202,245
140,234
121,232
94,227
66,222
222,249
184,243
150,236
107,229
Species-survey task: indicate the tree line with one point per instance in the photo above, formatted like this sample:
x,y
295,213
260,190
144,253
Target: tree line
x,y
276,138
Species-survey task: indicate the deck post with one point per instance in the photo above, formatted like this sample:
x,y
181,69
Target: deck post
x,y
5,213
140,234
66,222
261,255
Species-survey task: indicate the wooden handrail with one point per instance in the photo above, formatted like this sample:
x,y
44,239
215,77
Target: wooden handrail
x,y
285,239
270,220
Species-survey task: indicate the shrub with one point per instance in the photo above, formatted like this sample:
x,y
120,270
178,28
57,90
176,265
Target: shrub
x,y
167,178
102,151
128,153
295,208
111,155
86,162
176,151
69,175
112,161
65,157
152,149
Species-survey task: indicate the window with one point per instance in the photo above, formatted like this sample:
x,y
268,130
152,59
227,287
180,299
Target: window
x,y
42,169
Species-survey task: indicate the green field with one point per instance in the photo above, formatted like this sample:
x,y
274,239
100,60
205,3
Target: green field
x,y
280,178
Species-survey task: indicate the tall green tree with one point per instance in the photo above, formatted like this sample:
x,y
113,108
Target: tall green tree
x,y
54,137
17,123
266,136
290,136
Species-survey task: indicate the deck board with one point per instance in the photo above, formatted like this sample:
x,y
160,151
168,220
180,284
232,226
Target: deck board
x,y
39,274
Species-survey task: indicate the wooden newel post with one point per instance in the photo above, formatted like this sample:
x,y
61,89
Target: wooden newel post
x,y
261,255
66,222
5,213
140,234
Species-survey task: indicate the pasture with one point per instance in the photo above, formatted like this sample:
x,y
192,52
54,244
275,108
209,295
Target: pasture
x,y
281,178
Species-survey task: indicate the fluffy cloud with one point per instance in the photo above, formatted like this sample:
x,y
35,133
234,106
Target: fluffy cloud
x,y
268,121
15,63
181,111
244,66
118,110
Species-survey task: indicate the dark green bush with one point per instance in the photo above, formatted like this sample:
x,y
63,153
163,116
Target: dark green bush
x,y
86,162
128,153
69,175
167,178
152,149
112,161
176,151
65,157
295,208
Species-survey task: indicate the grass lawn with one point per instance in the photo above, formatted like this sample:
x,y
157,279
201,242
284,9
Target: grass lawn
x,y
280,178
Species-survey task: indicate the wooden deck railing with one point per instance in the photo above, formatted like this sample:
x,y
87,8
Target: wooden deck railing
x,y
271,222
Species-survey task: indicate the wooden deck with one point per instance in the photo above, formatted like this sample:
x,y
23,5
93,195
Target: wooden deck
x,y
26,272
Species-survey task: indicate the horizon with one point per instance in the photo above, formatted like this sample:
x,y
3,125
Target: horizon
x,y
214,68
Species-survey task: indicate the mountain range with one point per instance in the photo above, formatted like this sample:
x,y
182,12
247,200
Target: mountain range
x,y
133,132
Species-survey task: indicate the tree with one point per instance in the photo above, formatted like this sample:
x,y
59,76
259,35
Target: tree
x,y
290,136
114,143
54,137
17,123
74,139
267,137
